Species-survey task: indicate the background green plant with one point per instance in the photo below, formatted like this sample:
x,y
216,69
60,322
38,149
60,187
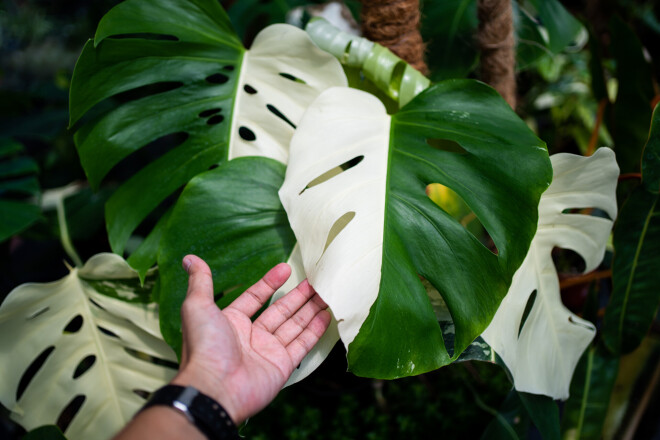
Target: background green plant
x,y
34,113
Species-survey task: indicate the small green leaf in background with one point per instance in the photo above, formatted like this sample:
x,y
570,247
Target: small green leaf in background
x,y
562,27
544,414
511,422
631,114
636,264
651,155
591,388
18,183
449,27
249,233
47,432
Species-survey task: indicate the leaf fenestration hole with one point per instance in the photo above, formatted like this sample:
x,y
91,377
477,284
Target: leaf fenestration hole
x,y
69,412
38,313
332,172
151,359
593,212
147,90
446,145
96,304
107,332
338,226
279,114
32,371
292,78
142,393
246,134
209,112
214,120
146,36
528,310
567,261
228,68
74,325
249,89
217,78
454,205
84,366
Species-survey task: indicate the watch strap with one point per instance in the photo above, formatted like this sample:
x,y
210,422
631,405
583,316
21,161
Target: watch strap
x,y
201,410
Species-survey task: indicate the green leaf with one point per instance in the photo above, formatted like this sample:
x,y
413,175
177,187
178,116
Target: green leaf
x,y
185,80
449,27
562,27
631,115
47,432
18,181
524,317
651,155
593,381
511,422
232,218
635,294
144,257
86,345
370,231
544,414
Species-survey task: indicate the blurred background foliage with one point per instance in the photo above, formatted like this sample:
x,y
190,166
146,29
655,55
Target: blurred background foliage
x,y
587,77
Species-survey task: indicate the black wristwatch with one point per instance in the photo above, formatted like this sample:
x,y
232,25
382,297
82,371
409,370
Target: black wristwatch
x,y
201,410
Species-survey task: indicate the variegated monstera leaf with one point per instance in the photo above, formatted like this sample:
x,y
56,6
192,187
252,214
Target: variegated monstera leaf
x,y
184,80
355,193
87,345
543,353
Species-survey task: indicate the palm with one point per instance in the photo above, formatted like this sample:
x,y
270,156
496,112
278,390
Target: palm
x,y
249,362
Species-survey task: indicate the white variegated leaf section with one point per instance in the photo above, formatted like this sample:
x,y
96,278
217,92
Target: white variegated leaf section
x,y
326,139
322,348
543,357
278,49
33,318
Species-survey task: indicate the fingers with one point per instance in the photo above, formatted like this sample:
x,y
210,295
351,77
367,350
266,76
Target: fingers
x,y
303,344
295,325
256,296
285,307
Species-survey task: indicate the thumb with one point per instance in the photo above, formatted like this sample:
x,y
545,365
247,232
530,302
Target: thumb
x,y
200,280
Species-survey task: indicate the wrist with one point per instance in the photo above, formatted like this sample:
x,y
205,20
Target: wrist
x,y
206,383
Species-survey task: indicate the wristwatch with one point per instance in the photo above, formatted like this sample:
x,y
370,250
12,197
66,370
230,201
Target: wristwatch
x,y
201,410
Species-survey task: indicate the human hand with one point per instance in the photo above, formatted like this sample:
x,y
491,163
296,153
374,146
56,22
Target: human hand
x,y
240,363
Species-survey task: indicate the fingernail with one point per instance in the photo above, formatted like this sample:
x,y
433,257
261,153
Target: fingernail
x,y
187,262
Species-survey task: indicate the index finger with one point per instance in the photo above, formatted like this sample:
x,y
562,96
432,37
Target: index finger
x,y
250,301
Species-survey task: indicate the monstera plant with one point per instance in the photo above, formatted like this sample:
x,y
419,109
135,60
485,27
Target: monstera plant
x,y
272,157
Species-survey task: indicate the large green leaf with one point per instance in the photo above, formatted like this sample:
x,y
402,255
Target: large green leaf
x,y
183,75
635,293
369,232
18,182
631,114
526,317
232,218
591,387
82,343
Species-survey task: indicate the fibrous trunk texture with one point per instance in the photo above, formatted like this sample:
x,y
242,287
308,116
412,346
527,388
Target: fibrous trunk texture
x,y
395,25
497,44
